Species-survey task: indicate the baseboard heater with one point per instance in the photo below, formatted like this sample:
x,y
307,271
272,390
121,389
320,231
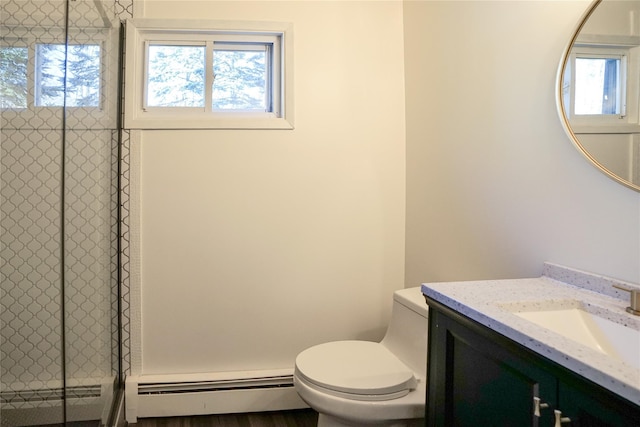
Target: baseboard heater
x,y
43,406
209,393
11,397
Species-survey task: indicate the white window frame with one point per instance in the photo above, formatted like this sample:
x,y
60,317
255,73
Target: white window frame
x,y
628,120
141,32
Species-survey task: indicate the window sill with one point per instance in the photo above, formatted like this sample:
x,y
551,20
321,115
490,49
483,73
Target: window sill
x,y
210,122
606,128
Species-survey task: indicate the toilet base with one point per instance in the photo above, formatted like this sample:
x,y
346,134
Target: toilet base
x,y
334,411
325,420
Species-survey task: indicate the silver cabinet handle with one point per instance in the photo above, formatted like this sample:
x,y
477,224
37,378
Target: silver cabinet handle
x,y
537,405
560,419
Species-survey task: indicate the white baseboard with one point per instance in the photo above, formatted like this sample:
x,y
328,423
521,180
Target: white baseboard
x,y
51,412
209,393
25,404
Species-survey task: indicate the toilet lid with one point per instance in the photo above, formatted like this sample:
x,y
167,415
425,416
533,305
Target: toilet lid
x,y
356,367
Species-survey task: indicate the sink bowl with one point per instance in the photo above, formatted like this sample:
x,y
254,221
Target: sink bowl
x,y
603,330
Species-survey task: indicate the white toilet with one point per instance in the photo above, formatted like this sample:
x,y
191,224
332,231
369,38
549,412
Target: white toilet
x,y
360,383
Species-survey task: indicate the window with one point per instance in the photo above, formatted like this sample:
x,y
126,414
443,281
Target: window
x,y
214,74
83,76
13,77
242,78
32,77
175,76
600,88
596,90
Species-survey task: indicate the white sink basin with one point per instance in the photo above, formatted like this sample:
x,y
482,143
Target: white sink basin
x,y
605,331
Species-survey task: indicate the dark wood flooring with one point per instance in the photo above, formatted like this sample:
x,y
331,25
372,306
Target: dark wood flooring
x,y
297,418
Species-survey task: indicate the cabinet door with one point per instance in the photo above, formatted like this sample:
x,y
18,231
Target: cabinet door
x,y
475,381
590,406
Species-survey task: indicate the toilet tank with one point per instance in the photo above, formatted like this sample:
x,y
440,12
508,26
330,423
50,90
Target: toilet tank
x,y
406,335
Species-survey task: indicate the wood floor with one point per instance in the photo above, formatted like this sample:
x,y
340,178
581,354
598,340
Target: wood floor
x,y
297,418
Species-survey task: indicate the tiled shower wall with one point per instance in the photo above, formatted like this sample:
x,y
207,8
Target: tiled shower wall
x,y
30,300
30,195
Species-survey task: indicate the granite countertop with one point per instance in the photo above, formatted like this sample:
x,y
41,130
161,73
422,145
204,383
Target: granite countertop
x,y
493,302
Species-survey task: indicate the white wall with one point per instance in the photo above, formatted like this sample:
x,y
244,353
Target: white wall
x,y
494,187
613,151
258,244
614,17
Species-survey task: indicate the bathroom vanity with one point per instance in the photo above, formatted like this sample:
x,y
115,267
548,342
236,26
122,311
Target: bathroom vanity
x,y
550,351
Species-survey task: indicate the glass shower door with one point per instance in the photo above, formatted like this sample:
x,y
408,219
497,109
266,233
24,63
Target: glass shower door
x,y
59,334
31,138
90,203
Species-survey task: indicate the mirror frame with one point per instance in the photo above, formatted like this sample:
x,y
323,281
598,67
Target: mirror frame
x,y
561,108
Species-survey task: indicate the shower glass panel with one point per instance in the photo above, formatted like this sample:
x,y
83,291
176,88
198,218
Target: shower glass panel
x,y
59,335
90,209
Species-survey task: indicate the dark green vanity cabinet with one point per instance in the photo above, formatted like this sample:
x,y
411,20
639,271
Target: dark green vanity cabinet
x,y
479,378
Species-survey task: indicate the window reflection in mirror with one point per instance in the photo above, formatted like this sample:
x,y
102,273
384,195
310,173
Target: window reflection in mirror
x,y
599,89
598,86
599,77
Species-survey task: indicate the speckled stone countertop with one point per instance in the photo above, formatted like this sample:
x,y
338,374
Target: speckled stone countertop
x,y
493,302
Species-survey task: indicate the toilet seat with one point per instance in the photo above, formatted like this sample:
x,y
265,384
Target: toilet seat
x,y
358,370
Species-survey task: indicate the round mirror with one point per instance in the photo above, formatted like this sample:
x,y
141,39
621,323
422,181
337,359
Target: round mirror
x,y
598,93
